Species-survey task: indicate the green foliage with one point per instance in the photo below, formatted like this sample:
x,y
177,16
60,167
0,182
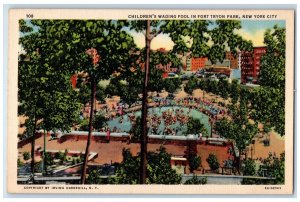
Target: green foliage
x,y
84,125
128,89
94,177
38,167
60,155
159,170
136,130
249,167
77,159
269,108
26,156
196,180
100,93
48,159
194,163
194,126
99,121
24,27
272,72
191,85
272,167
223,87
19,163
172,84
128,172
238,130
275,167
213,162
84,94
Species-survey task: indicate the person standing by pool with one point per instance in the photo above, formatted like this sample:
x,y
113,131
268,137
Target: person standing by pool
x,y
107,135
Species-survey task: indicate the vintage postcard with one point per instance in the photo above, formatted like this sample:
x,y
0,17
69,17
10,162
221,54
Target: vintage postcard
x,y
150,101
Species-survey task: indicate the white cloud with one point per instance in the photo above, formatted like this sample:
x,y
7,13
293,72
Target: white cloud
x,y
257,38
160,41
164,41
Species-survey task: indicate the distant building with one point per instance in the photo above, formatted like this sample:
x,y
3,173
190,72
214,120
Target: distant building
x,y
219,67
257,53
250,64
198,63
246,66
233,59
188,64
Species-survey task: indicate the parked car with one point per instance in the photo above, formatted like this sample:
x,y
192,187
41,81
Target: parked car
x,y
186,76
200,75
172,75
213,77
222,76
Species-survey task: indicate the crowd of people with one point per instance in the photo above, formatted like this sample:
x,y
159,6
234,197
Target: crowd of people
x,y
161,122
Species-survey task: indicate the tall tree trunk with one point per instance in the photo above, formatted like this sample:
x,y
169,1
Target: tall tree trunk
x,y
44,153
239,162
87,150
143,168
32,149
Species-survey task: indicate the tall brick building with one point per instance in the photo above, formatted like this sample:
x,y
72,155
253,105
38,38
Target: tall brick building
x,y
246,66
250,64
198,63
257,53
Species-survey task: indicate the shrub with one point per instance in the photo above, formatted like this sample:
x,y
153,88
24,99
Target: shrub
x,y
26,156
48,159
99,121
213,162
84,125
249,167
195,180
60,155
194,163
20,163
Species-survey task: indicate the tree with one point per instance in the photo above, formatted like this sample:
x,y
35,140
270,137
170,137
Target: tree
x,y
159,170
270,108
99,121
196,180
192,155
249,167
272,167
194,163
272,72
213,162
223,87
234,91
197,31
84,93
136,130
48,158
69,44
26,156
238,130
44,90
100,93
194,126
275,167
172,84
191,85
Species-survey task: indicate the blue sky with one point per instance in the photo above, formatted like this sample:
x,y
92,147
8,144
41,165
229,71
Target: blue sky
x,y
252,26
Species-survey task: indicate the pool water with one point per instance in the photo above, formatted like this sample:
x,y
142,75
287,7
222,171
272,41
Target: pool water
x,y
126,125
